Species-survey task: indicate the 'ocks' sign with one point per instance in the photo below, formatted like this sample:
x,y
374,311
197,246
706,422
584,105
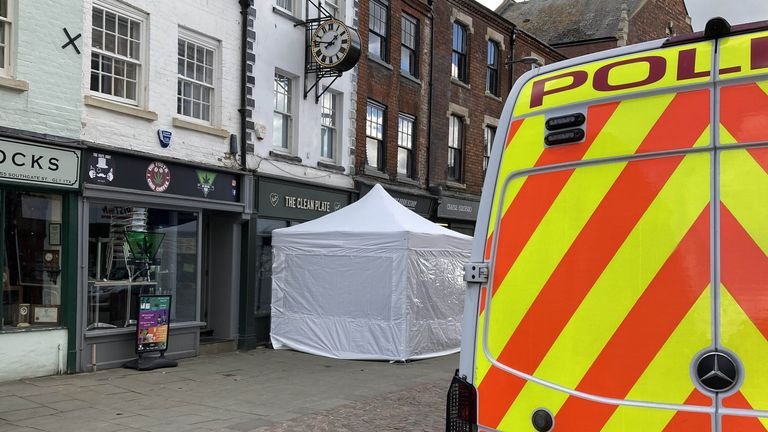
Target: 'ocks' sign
x,y
39,164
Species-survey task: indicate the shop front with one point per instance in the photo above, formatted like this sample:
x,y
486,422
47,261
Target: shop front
x,y
278,203
418,201
39,189
152,226
458,214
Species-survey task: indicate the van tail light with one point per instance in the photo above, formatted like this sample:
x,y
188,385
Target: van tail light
x,y
461,410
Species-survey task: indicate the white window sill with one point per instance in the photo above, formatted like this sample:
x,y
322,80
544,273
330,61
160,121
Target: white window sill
x,y
409,77
455,185
373,172
492,96
460,83
381,62
14,84
185,124
287,14
120,108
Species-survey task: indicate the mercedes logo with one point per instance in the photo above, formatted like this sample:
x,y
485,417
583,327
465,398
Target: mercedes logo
x,y
717,372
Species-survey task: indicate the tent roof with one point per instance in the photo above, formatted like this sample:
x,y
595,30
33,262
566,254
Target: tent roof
x,y
376,212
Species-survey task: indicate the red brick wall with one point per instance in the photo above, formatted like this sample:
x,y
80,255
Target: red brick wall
x,y
651,21
385,85
472,96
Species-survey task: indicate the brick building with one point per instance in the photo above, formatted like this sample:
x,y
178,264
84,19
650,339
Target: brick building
x,y
578,27
428,104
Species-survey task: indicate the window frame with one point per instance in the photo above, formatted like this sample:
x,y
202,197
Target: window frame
x,y
379,138
383,38
489,134
335,99
492,75
213,45
454,168
286,115
122,10
6,65
413,70
409,138
335,8
459,67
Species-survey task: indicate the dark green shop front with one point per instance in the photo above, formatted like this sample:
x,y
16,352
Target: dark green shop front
x,y
278,203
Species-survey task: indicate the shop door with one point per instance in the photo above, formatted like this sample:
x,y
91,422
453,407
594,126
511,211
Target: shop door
x,y
743,232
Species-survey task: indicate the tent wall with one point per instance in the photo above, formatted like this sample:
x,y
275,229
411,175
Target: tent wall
x,y
435,302
340,302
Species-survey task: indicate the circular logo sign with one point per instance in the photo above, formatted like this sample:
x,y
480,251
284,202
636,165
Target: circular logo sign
x,y
158,176
717,372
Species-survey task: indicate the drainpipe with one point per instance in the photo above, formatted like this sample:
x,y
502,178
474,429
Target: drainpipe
x,y
513,39
431,87
244,6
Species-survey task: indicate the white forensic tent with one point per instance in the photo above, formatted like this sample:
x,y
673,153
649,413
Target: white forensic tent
x,y
372,280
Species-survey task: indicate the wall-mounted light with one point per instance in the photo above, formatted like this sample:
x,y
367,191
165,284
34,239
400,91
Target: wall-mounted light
x,y
233,144
527,60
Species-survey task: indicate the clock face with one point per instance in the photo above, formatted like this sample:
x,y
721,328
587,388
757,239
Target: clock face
x,y
331,42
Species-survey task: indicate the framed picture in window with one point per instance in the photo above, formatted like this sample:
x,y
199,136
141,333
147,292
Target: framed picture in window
x,y
54,234
44,314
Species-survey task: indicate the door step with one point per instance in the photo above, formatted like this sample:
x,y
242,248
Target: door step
x,y
212,345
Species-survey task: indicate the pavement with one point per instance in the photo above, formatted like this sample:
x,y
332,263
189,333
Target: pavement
x,y
262,390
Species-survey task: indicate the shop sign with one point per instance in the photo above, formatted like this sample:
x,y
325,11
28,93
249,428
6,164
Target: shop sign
x,y
162,177
296,201
39,164
454,208
154,317
420,205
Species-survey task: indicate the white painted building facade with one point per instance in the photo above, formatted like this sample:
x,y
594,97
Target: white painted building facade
x,y
279,44
40,105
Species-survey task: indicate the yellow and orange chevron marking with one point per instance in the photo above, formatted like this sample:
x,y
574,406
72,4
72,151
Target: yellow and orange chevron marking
x,y
744,269
602,280
572,237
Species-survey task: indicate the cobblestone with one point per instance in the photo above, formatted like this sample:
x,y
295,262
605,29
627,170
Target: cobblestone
x,y
420,408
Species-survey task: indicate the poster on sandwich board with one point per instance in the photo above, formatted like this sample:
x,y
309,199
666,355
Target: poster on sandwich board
x,y
152,324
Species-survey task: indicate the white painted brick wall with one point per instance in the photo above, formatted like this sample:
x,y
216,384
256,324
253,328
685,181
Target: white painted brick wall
x,y
216,19
53,103
281,45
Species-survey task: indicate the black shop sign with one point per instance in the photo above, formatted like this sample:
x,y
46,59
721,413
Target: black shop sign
x,y
162,177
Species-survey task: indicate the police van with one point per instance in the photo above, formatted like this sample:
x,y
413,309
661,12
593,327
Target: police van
x,y
619,274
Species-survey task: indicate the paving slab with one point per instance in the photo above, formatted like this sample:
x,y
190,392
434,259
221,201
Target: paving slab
x,y
262,390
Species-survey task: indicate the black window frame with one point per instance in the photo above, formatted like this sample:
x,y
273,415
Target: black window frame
x,y
488,144
492,68
407,51
372,135
409,138
459,67
381,34
455,148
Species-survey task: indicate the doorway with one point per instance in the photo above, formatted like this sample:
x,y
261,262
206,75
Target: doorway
x,y
219,282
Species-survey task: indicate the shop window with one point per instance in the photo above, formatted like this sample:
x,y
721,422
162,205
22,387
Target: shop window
x,y
135,251
31,256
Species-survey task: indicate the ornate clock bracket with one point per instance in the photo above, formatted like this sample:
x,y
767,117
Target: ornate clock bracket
x,y
315,71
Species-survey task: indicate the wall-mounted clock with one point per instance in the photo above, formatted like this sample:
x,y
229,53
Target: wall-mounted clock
x,y
335,46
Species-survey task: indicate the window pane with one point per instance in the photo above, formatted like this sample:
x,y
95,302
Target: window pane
x,y
30,262
404,162
98,38
4,8
372,152
115,278
122,26
110,21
